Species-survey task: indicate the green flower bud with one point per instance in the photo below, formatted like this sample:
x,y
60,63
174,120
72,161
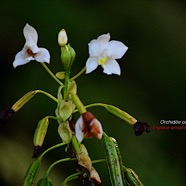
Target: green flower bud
x,y
40,132
65,132
67,56
32,173
73,54
60,75
72,87
121,114
65,109
22,101
59,95
131,177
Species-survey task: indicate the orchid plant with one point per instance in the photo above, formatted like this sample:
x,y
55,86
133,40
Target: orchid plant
x,y
102,52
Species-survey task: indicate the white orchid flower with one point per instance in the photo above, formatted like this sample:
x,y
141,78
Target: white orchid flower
x,y
30,50
104,52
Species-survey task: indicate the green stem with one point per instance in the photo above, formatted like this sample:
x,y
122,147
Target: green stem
x,y
75,144
95,105
98,161
67,75
51,148
78,74
70,178
81,108
54,117
92,105
55,163
47,94
50,72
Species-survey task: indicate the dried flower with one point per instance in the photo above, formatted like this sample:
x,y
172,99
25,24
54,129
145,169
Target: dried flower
x,y
88,124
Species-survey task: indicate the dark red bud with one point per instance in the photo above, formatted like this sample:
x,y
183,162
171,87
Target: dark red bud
x,y
37,151
140,127
6,115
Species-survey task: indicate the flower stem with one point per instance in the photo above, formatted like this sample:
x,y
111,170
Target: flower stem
x,y
98,161
51,148
67,75
76,144
50,72
70,178
95,105
47,94
55,163
81,108
78,74
53,117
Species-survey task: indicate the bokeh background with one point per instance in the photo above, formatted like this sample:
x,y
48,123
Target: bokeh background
x,y
151,88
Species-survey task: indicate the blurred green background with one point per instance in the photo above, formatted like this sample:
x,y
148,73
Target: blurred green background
x,y
151,88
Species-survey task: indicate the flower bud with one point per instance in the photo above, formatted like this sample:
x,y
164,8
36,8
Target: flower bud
x,y
67,56
121,114
32,173
65,109
20,103
65,132
60,75
72,87
62,38
73,53
40,132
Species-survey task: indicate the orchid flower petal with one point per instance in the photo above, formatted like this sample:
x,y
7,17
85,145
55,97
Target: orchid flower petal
x,y
116,49
103,41
96,128
21,59
79,129
91,64
29,31
96,46
111,67
31,45
43,55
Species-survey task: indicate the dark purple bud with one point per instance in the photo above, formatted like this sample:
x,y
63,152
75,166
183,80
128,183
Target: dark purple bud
x,y
140,127
72,124
37,151
6,115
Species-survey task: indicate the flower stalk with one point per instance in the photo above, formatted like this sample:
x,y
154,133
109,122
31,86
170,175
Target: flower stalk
x,y
51,74
102,52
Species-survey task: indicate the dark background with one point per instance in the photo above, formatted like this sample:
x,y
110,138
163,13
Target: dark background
x,y
151,88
